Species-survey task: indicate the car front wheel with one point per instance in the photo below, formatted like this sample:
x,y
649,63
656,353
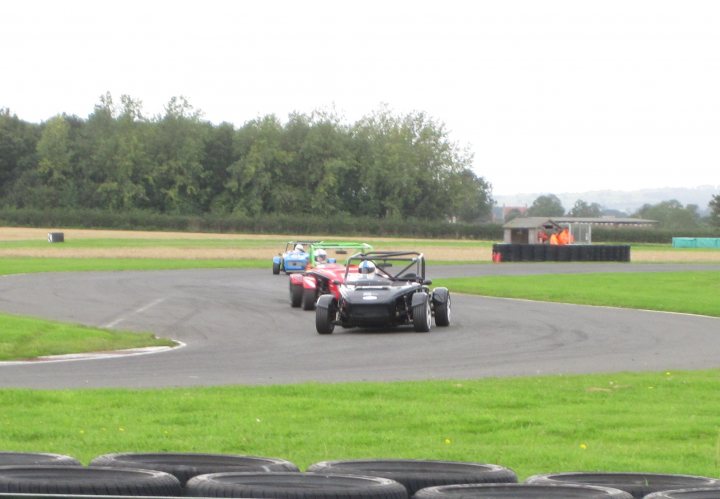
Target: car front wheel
x,y
308,299
325,313
422,316
296,294
441,302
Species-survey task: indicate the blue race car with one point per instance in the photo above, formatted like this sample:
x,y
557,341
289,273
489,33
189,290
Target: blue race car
x,y
294,259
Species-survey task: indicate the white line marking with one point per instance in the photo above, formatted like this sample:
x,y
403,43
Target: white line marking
x,y
140,310
131,352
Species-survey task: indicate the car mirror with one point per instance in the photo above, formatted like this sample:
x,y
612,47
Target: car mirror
x,y
427,282
336,282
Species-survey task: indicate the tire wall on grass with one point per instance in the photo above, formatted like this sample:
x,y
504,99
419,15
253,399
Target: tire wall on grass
x,y
553,253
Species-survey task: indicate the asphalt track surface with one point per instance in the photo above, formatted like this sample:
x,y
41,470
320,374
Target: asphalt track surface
x,y
238,328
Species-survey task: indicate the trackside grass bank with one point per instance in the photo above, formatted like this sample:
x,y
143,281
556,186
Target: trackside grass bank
x,y
653,422
23,265
686,292
27,338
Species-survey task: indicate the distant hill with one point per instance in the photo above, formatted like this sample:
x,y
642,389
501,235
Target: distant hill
x,y
625,201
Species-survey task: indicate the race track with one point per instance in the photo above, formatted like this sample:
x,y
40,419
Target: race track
x,y
238,328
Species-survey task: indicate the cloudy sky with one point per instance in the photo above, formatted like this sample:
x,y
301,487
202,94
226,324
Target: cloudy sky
x,y
549,95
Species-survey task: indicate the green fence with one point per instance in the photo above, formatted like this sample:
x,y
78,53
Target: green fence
x,y
696,242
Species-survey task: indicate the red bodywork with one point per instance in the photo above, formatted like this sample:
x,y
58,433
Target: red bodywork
x,y
324,279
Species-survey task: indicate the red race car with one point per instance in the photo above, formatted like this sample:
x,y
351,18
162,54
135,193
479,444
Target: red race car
x,y
323,274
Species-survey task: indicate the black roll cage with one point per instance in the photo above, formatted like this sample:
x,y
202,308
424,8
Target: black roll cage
x,y
383,260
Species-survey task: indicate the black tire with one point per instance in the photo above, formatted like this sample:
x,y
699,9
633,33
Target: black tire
x,y
184,466
308,298
637,484
293,486
296,294
88,481
696,493
422,316
443,307
522,491
276,268
325,315
36,458
416,475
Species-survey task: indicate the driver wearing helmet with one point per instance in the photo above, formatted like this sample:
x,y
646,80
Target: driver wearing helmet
x,y
320,256
299,248
367,269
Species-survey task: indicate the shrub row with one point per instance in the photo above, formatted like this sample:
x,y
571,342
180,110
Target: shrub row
x,y
266,224
305,225
647,235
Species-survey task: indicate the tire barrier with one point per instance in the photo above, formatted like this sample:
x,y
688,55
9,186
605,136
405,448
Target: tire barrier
x,y
57,479
637,484
133,475
416,475
184,466
696,493
294,486
36,458
504,252
522,491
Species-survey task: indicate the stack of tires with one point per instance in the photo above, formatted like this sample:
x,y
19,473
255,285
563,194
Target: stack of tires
x,y
554,253
34,475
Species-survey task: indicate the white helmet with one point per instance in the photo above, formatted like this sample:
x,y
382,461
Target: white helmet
x,y
366,268
321,256
299,247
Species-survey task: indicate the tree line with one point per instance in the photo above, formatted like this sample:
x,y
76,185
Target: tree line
x,y
670,214
383,166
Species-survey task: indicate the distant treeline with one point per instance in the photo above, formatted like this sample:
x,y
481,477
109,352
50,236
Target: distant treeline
x,y
383,167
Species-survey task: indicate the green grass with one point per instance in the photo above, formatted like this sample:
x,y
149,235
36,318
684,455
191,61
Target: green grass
x,y
211,242
22,265
688,292
654,422
99,243
662,422
26,338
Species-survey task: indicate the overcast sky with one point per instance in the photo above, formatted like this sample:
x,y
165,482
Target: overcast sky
x,y
549,96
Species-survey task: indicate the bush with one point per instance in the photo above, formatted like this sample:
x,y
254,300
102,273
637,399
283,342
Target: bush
x,y
266,224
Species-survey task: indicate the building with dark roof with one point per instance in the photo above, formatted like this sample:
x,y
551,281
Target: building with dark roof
x,y
528,230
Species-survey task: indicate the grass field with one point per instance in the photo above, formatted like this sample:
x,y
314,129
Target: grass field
x,y
662,422
686,292
653,422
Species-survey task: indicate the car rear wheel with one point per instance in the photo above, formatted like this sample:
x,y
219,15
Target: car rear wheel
x,y
276,268
422,316
308,299
296,294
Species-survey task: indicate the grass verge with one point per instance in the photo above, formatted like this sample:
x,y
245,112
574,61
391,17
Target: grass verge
x,y
652,422
26,338
688,292
22,265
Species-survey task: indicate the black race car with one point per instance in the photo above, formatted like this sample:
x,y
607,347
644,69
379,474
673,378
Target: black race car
x,y
388,289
